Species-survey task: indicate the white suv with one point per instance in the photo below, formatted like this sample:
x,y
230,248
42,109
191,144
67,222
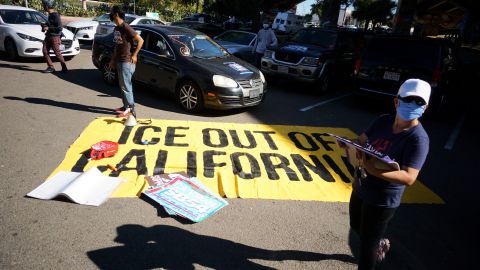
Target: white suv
x,y
21,34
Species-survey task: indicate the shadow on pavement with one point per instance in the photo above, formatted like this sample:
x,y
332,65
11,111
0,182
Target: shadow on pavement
x,y
62,104
168,247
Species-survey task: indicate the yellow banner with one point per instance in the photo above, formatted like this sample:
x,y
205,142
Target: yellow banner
x,y
234,160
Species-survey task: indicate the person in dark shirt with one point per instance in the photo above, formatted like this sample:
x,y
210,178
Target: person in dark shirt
x,y
377,193
53,31
123,59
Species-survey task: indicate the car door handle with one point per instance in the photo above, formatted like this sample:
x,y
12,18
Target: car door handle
x,y
148,62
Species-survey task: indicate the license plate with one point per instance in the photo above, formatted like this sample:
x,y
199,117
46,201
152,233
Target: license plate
x,y
254,93
283,69
393,76
62,47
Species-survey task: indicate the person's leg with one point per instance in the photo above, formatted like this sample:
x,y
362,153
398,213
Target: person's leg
x,y
355,211
373,225
56,41
125,79
258,59
121,83
45,50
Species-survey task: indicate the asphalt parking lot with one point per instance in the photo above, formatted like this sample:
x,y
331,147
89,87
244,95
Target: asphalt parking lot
x,y
43,114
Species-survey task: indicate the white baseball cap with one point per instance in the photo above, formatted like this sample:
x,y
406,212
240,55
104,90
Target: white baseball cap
x,y
415,87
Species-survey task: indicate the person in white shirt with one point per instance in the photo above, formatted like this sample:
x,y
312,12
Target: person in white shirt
x,y
265,38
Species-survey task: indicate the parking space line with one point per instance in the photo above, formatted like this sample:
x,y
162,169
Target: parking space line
x,y
323,102
456,131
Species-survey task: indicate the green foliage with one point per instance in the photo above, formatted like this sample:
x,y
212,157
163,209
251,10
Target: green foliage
x,y
377,11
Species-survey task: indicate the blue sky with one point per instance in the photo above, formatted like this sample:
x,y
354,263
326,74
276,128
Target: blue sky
x,y
304,7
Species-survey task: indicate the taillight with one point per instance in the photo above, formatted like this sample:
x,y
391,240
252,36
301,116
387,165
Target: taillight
x,y
358,62
436,77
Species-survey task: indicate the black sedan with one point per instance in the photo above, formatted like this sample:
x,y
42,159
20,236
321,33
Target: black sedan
x,y
188,64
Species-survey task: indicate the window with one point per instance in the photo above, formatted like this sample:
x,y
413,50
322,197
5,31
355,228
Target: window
x,y
22,17
156,44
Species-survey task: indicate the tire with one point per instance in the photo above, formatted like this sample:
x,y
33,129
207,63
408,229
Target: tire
x,y
324,83
109,75
11,49
190,96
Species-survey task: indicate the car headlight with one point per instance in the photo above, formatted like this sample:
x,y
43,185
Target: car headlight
x,y
268,54
222,81
262,77
86,28
27,37
312,61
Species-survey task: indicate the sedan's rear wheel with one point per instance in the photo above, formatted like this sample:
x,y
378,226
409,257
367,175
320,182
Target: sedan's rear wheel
x,y
190,96
109,75
11,49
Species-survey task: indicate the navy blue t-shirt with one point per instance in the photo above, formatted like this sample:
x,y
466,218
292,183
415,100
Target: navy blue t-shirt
x,y
408,148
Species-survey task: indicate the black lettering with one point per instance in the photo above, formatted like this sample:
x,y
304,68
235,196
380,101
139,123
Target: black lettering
x,y
81,162
192,163
141,167
236,140
222,137
349,166
318,168
336,169
161,162
238,169
138,138
208,163
268,138
299,145
324,143
271,168
125,133
171,135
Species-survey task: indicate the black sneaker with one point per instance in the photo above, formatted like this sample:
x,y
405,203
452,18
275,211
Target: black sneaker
x,y
64,68
49,70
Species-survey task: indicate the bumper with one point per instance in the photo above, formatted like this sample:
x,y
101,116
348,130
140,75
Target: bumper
x,y
34,49
310,74
230,98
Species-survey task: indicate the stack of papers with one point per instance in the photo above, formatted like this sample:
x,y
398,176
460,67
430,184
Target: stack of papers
x,y
184,196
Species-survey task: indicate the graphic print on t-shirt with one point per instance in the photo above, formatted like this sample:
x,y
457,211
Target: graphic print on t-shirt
x,y
117,37
381,145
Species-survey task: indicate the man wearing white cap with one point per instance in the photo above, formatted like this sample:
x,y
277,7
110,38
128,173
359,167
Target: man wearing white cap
x,y
377,193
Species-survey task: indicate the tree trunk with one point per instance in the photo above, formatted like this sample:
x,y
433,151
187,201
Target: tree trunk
x,y
84,4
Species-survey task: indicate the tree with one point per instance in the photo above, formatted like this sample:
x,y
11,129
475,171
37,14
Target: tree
x,y
375,11
329,9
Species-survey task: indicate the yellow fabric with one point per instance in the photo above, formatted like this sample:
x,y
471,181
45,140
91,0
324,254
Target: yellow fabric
x,y
268,157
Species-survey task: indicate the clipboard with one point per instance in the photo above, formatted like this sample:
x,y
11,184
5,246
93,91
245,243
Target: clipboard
x,y
382,161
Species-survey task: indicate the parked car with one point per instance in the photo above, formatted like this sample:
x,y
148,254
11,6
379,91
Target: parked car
x,y
199,17
198,72
208,29
238,43
315,55
21,34
107,28
86,29
389,60
287,22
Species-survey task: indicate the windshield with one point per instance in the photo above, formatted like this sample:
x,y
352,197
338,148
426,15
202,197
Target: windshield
x,y
102,18
404,52
129,19
316,37
22,16
199,46
236,37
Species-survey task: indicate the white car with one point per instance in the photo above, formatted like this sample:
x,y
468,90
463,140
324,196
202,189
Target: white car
x,y
21,34
107,28
86,29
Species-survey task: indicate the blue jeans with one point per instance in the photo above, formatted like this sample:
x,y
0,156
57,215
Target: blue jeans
x,y
125,72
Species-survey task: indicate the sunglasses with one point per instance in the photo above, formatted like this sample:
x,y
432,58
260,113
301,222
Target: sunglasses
x,y
409,99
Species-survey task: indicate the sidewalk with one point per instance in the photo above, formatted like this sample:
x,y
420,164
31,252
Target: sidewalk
x,y
67,19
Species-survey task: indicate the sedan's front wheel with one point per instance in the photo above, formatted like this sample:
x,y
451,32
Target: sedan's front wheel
x,y
11,49
190,96
109,75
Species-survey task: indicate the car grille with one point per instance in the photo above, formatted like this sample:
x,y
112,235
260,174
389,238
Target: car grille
x,y
286,57
73,29
67,43
239,100
247,84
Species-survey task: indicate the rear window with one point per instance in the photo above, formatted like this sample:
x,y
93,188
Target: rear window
x,y
320,38
404,52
